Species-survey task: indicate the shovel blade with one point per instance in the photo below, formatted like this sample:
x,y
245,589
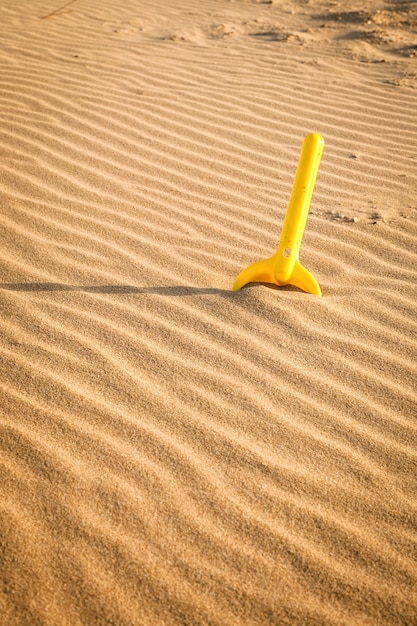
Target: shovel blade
x,y
302,279
264,272
259,272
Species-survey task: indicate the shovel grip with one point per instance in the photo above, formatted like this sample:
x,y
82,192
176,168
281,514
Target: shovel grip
x,y
298,206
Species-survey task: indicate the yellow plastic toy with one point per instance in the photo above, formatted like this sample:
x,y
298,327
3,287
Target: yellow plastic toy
x,y
284,268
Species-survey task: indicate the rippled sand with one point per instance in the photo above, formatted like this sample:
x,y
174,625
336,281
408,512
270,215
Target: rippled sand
x,y
171,451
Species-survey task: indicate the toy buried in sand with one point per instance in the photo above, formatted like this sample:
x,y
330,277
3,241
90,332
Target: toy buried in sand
x,y
284,268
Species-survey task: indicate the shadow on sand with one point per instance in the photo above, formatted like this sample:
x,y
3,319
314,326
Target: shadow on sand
x,y
175,290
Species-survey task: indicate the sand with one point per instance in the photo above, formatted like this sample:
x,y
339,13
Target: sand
x,y
171,451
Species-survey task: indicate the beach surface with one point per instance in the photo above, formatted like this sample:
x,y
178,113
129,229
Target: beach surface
x,y
173,452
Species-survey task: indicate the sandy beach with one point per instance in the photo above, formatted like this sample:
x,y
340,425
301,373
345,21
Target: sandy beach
x,y
173,452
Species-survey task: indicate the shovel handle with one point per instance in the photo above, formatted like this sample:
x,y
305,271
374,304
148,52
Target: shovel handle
x,y
298,206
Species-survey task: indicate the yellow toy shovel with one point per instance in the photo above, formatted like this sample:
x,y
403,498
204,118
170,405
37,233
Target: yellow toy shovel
x,y
284,268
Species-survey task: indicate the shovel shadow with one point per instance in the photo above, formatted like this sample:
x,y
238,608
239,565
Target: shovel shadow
x,y
174,290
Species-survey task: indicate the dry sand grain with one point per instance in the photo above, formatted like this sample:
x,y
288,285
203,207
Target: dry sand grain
x,y
172,452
